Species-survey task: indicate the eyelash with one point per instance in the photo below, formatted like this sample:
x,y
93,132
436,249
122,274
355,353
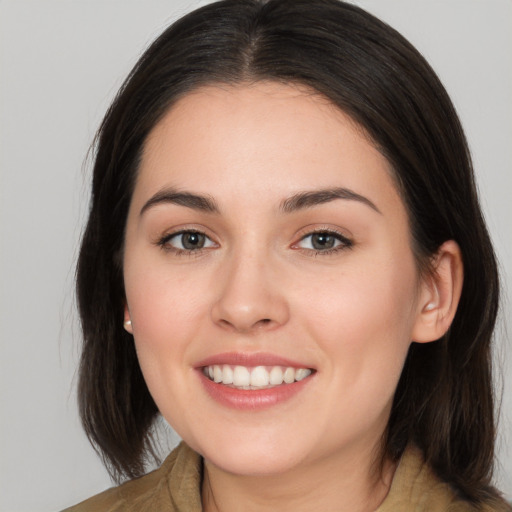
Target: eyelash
x,y
344,244
163,243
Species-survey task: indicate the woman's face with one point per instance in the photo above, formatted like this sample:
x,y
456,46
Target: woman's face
x,y
267,249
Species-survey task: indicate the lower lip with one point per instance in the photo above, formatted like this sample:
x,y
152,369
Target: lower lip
x,y
253,399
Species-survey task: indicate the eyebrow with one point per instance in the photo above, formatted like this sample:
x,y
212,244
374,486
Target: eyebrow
x,y
308,199
187,199
299,201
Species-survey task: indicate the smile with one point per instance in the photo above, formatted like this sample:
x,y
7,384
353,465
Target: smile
x,y
254,378
254,381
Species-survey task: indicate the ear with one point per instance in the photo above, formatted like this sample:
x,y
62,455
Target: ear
x,y
127,324
439,294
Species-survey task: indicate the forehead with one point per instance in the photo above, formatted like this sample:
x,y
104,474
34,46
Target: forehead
x,y
269,138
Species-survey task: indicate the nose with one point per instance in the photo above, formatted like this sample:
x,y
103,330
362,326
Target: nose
x,y
250,297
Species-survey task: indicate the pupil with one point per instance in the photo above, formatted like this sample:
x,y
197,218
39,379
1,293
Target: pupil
x,y
192,240
322,241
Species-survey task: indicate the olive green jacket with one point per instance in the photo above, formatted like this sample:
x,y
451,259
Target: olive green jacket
x,y
176,487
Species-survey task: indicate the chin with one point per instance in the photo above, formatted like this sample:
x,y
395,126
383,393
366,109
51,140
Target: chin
x,y
253,457
253,464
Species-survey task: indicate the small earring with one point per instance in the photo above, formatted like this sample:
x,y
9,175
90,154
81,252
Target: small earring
x,y
430,306
128,325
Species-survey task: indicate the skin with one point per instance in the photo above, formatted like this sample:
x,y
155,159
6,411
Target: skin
x,y
258,285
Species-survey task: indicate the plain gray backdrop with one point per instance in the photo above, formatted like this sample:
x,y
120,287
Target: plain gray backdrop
x,y
61,62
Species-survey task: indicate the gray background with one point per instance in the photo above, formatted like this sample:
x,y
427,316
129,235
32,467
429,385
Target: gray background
x,y
60,64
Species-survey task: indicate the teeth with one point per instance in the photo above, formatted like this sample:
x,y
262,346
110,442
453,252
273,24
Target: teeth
x,y
255,378
259,377
217,374
227,374
302,373
241,376
276,376
289,375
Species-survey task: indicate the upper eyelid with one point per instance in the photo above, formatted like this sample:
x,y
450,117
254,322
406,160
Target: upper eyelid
x,y
169,236
346,242
330,230
164,243
308,231
183,231
169,233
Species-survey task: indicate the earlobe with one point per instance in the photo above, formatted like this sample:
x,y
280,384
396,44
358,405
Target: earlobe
x,y
127,324
440,294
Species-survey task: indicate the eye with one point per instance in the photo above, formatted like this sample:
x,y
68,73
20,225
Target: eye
x,y
186,241
324,241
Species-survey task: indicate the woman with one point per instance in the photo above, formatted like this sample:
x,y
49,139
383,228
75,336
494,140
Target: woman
x,y
285,257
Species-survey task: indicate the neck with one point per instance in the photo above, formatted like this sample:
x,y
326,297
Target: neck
x,y
356,482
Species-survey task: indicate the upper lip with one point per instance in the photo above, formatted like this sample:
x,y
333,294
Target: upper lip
x,y
250,360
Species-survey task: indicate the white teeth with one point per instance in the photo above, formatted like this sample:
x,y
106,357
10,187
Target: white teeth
x,y
289,375
259,377
302,373
227,374
256,378
276,376
217,374
241,376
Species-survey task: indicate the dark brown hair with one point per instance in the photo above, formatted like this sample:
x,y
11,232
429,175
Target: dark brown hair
x,y
444,400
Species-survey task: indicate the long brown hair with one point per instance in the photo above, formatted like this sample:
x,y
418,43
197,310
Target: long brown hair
x,y
444,400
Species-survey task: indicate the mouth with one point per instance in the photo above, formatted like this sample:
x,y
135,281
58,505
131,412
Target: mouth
x,y
256,377
254,381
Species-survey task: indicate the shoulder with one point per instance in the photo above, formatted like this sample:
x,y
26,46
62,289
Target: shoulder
x,y
416,487
173,487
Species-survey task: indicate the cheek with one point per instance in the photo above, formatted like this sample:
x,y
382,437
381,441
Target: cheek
x,y
165,313
363,319
365,298
164,309
162,302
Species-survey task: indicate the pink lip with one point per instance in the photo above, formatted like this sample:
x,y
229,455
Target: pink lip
x,y
251,400
250,360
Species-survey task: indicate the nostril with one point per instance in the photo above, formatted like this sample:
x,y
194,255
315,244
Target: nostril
x,y
263,323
